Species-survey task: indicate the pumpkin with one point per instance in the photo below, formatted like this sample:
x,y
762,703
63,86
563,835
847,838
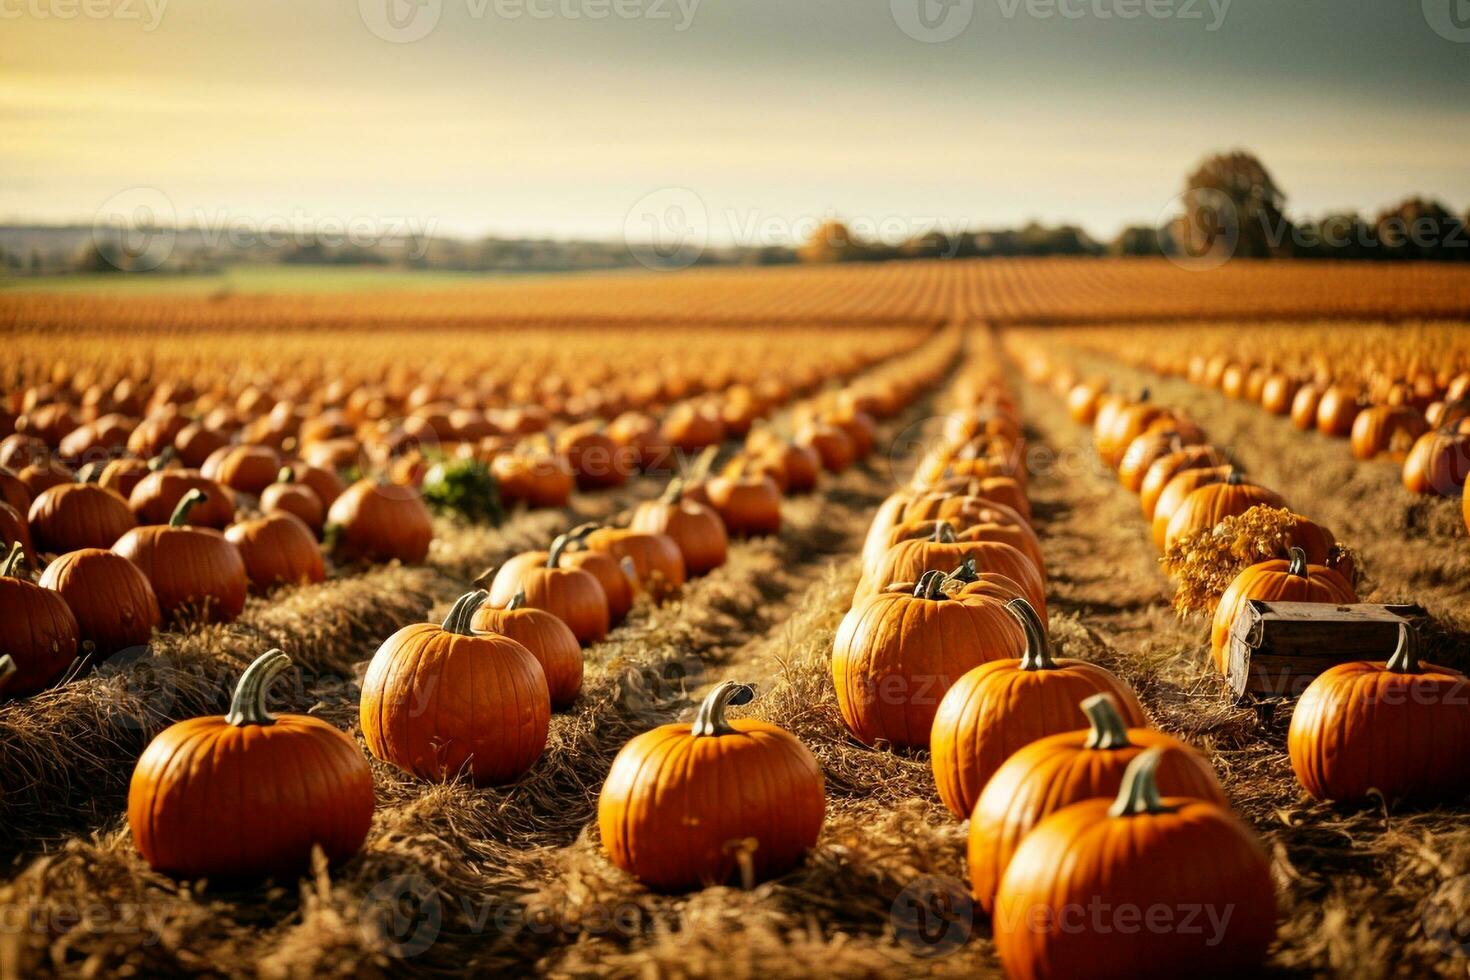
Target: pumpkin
x,y
1059,770
40,634
1304,407
79,515
380,522
690,427
800,466
656,561
287,496
907,561
1125,425
441,700
966,580
1177,490
123,475
896,654
1337,409
1147,449
246,469
41,476
537,478
1292,580
833,446
1127,854
278,549
193,570
1277,393
1399,728
196,442
1018,535
14,492
157,495
1000,706
1438,462
1162,470
693,804
696,529
1082,400
1208,505
598,461
327,485
249,793
1386,429
110,597
748,505
640,433
548,639
17,451
14,529
571,594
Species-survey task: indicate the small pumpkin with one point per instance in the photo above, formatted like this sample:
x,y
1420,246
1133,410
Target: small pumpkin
x,y
833,446
1399,728
1292,580
246,469
1162,470
749,506
249,793
380,522
73,516
14,492
598,460
686,805
112,600
696,529
193,570
288,496
277,549
907,561
548,639
1210,504
1128,852
441,700
1388,430
40,634
656,561
896,654
1001,706
122,475
1059,770
1438,462
573,595
14,529
1337,410
157,495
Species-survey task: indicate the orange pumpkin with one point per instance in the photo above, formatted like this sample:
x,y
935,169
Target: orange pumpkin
x,y
686,805
1162,470
548,639
380,522
1059,770
1386,429
113,602
1000,706
246,469
41,634
249,794
696,529
277,549
1210,504
1293,580
157,495
657,564
571,594
1439,462
193,570
73,516
907,561
443,700
287,496
1127,854
748,505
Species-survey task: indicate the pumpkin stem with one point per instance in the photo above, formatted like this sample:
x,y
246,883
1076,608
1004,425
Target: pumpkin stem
x,y
1144,395
7,670
1139,793
161,461
673,491
248,705
1298,566
518,601
181,512
565,542
14,562
287,475
1038,654
710,719
1109,730
465,607
1405,659
703,462
943,532
966,572
91,473
930,586
1234,478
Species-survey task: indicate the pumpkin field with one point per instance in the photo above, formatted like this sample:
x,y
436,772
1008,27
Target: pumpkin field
x,y
860,620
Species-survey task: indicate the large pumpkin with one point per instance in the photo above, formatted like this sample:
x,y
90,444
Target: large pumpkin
x,y
37,629
78,515
380,522
896,654
1400,728
113,602
1059,770
443,700
277,549
696,804
249,794
695,528
194,571
1137,886
1211,504
1000,706
549,640
1291,580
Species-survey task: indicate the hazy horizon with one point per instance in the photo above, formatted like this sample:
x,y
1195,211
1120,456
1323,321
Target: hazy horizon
x,y
763,116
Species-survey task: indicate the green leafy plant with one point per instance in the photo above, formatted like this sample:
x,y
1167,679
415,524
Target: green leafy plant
x,y
464,487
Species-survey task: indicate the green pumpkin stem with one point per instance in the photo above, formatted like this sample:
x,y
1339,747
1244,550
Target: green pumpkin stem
x,y
943,533
965,572
1298,565
14,562
1139,793
570,541
673,491
287,475
1109,730
165,456
248,705
518,601
1405,659
1038,655
710,719
1234,477
703,463
181,512
463,612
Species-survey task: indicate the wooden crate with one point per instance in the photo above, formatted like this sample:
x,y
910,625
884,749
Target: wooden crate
x,y
1277,648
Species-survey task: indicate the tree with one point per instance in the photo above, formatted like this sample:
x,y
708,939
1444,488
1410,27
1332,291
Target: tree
x,y
1421,229
1232,208
831,242
1136,240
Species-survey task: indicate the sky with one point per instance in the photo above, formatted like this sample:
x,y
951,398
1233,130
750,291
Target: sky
x,y
756,118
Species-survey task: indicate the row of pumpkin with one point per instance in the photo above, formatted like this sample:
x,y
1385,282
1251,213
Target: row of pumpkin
x,y
1346,717
471,697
